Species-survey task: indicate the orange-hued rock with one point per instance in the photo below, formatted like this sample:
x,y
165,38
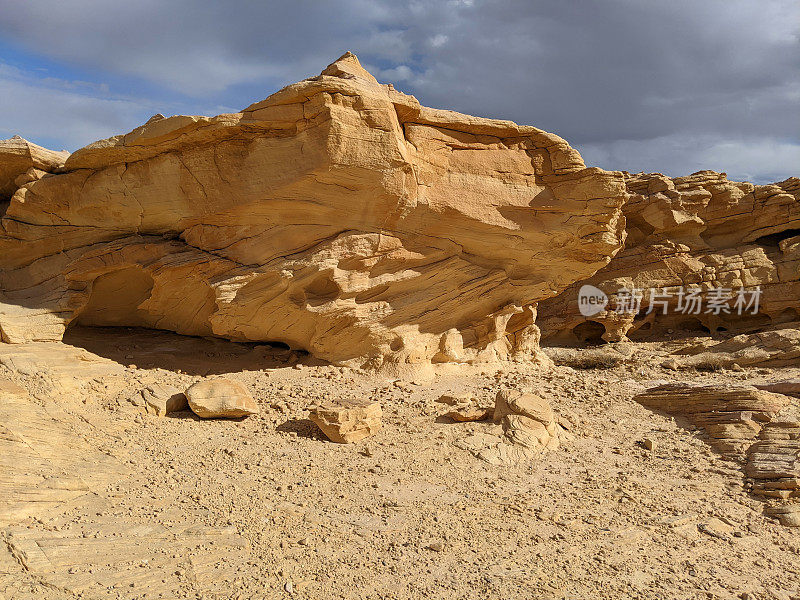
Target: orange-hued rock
x,y
22,162
219,397
701,231
338,216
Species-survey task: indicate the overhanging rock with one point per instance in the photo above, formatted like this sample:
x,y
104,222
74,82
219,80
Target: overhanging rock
x,y
337,216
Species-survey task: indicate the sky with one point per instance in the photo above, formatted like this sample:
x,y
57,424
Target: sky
x,y
638,85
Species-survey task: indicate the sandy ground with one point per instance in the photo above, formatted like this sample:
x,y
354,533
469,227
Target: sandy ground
x,y
104,501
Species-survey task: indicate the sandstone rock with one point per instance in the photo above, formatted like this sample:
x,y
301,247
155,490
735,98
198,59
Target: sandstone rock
x,y
220,398
347,421
469,412
22,162
787,515
700,231
773,461
451,400
732,416
787,387
779,347
716,528
529,428
514,402
337,216
162,399
526,432
671,364
465,408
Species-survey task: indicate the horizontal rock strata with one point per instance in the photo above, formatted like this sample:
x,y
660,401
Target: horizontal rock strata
x,y
698,232
757,428
773,462
732,416
338,216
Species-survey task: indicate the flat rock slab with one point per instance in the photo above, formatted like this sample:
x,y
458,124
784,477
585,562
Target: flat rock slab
x,y
220,398
788,387
44,462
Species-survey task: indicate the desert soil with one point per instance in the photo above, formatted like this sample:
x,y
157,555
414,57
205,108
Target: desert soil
x,y
100,500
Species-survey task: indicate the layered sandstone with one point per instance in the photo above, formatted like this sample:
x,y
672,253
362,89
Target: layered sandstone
x,y
731,416
699,232
338,216
22,162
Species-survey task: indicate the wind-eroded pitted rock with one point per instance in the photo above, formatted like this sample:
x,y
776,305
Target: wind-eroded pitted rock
x,y
338,216
701,232
529,428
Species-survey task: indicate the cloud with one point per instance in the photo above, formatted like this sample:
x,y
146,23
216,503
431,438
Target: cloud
x,y
760,160
62,114
621,79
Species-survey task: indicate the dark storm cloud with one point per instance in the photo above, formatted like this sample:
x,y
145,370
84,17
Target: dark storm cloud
x,y
638,85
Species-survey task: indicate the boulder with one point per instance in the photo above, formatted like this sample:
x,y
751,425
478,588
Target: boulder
x,y
337,216
529,428
346,422
162,400
514,402
220,398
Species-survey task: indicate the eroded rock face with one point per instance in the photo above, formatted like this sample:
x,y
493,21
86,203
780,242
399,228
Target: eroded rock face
x,y
773,462
698,231
731,416
22,162
337,216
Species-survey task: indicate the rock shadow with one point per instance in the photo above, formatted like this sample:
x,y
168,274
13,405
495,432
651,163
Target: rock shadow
x,y
157,349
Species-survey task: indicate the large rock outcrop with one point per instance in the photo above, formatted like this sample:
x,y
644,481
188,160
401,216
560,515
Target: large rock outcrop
x,y
337,216
698,232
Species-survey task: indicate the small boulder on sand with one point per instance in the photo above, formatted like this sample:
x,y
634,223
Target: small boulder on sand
x,y
161,399
347,421
220,398
465,408
529,428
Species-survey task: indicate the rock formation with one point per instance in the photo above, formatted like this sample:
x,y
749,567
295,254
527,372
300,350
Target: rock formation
x,y
757,428
773,462
219,397
698,232
22,162
731,416
346,422
529,428
337,216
